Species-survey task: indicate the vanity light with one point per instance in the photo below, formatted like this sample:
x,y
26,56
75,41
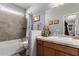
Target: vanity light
x,y
72,17
3,8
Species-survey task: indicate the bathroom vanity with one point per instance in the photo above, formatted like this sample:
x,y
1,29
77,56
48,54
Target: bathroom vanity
x,y
52,46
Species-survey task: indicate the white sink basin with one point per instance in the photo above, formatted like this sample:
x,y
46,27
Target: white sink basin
x,y
53,37
60,39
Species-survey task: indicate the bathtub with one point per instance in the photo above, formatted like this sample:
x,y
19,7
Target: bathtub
x,y
8,48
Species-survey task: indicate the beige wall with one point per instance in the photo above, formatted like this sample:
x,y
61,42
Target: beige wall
x,y
11,26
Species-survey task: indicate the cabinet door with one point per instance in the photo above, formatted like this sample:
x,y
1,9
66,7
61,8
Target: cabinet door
x,y
39,50
58,53
48,51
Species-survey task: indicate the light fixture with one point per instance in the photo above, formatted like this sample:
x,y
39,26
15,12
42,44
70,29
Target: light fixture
x,y
72,17
3,8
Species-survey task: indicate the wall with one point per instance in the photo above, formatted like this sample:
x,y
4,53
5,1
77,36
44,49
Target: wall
x,y
34,11
38,9
12,22
40,23
58,13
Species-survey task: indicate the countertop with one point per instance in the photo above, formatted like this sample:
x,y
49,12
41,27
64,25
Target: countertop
x,y
63,40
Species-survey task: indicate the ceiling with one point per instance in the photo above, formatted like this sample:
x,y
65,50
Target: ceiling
x,y
23,5
36,7
27,5
33,7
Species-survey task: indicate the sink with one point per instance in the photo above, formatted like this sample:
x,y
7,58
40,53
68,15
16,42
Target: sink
x,y
60,39
53,37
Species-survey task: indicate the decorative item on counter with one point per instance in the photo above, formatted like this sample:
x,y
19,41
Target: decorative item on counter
x,y
46,32
56,21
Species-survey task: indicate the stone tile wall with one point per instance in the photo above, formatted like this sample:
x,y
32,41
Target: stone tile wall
x,y
11,26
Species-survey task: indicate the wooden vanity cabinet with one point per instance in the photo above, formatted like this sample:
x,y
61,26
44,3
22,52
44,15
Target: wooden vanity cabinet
x,y
59,53
45,48
48,51
39,48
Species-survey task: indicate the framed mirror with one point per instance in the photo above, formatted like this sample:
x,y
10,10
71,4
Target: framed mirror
x,y
36,18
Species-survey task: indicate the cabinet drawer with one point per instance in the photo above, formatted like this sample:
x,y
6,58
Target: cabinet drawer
x,y
63,48
58,53
49,51
39,42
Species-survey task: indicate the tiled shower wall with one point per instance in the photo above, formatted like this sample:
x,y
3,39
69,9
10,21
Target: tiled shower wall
x,y
12,26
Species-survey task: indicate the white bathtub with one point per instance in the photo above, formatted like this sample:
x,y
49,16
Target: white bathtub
x,y
10,47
